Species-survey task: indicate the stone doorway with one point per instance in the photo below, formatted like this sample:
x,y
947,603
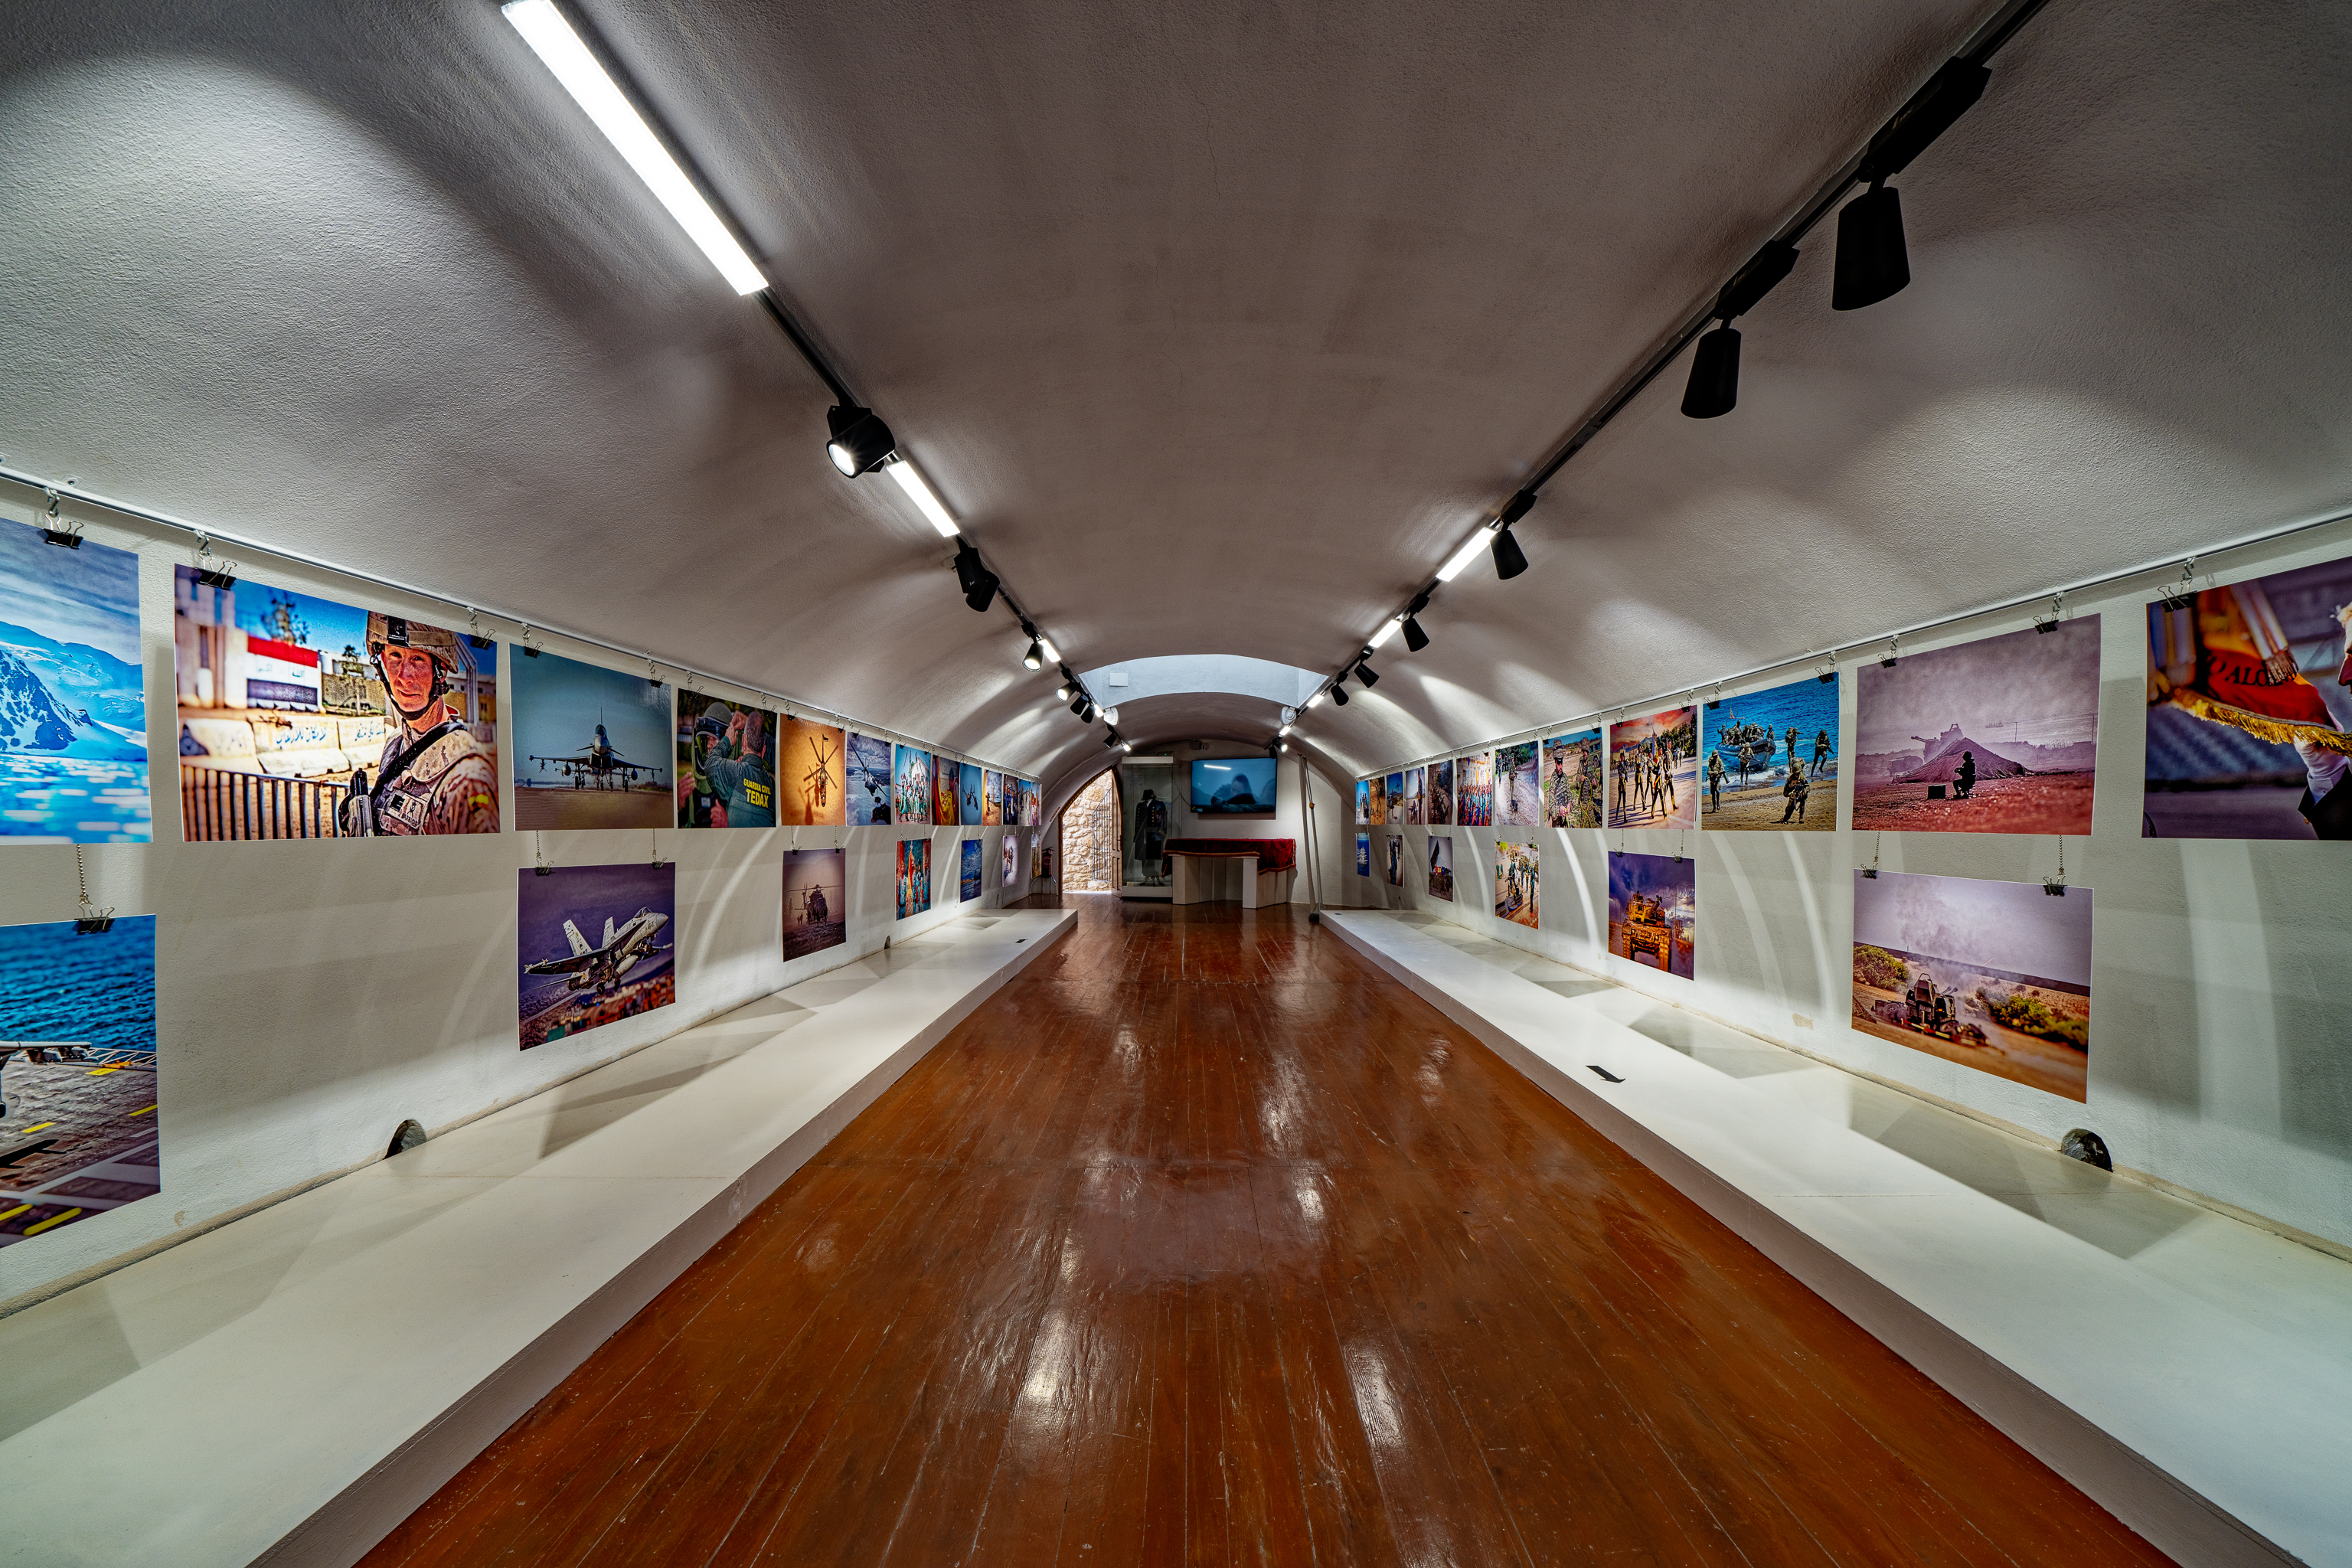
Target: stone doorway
x,y
1092,848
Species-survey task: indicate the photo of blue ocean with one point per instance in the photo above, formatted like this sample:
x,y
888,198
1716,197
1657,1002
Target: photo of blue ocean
x,y
58,984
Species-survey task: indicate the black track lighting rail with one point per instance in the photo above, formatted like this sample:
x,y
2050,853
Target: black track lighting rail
x,y
1925,115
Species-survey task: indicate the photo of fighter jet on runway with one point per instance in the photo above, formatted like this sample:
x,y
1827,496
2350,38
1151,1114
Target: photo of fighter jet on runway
x,y
594,744
568,984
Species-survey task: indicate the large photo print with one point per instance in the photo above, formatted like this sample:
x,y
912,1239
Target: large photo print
x,y
2250,708
1992,975
78,1081
593,744
1771,759
1653,911
307,717
1999,735
1654,770
594,944
73,707
726,763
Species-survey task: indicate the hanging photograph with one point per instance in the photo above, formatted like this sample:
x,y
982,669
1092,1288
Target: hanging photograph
x,y
1415,804
1999,735
73,701
811,787
1518,793
305,718
869,787
969,809
947,798
911,794
968,881
1572,780
1028,794
1441,794
1474,791
1440,867
1363,855
816,900
2250,710
1771,759
595,746
1653,911
1396,860
1363,803
1654,770
1379,816
1515,882
726,763
594,944
78,1116
1010,852
914,877
992,798
1992,975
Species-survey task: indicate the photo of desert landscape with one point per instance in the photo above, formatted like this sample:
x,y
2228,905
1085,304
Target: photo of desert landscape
x,y
1992,975
1999,735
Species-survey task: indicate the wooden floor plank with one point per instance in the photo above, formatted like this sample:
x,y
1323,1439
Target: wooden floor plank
x,y
1204,1242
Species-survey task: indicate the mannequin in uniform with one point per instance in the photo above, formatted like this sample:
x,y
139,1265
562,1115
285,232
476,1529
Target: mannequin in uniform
x,y
1151,835
434,776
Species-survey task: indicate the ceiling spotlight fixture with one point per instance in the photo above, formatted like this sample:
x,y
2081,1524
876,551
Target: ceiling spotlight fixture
x,y
1110,714
550,38
1415,639
1086,713
859,442
1035,658
1062,692
1282,745
1365,674
979,583
1872,264
1339,694
1289,717
1078,703
1713,389
1127,746
1110,738
1510,559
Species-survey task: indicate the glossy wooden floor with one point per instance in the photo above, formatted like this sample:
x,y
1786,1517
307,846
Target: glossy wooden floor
x,y
1204,1243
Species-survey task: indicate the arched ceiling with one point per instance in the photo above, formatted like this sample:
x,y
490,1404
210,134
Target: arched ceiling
x,y
1219,325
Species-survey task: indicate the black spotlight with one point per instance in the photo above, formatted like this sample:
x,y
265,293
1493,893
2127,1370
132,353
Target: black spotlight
x,y
1339,693
1713,389
1086,714
1870,262
1415,639
860,440
1035,657
1365,674
1510,559
1110,736
1079,704
979,581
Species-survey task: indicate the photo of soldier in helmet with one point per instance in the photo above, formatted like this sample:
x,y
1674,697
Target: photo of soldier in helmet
x,y
432,775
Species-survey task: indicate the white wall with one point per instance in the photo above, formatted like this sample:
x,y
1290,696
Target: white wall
x,y
2221,977
312,995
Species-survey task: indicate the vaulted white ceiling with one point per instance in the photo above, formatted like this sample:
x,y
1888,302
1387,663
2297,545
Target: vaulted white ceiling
x,y
1220,325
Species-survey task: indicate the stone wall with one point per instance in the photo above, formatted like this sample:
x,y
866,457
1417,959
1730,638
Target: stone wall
x,y
1091,846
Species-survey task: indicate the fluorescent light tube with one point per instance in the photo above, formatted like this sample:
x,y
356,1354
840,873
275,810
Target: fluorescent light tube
x,y
1463,557
1388,629
550,36
1315,701
910,479
1047,644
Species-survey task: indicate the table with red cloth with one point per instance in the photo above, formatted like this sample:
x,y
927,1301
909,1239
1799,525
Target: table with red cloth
x,y
1272,854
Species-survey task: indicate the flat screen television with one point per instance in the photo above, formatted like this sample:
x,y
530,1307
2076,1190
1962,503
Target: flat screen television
x,y
1233,786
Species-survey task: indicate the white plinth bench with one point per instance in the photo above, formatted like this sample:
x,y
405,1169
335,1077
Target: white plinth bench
x,y
290,1386
2189,1371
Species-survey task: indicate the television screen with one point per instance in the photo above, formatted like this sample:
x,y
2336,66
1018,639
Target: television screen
x,y
1233,786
